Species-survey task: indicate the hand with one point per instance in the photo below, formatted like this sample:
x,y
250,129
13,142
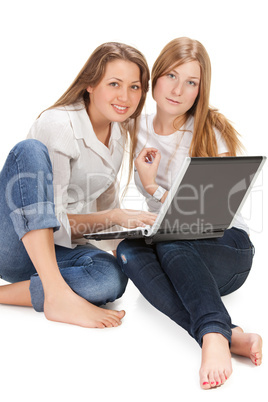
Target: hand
x,y
130,218
147,164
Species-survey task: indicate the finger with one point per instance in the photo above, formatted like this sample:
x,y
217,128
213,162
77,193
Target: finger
x,y
157,159
139,212
146,153
144,221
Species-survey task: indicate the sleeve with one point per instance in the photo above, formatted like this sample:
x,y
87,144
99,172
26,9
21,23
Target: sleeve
x,y
58,137
61,178
108,200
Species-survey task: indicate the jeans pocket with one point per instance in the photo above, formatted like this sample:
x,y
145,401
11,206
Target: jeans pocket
x,y
235,283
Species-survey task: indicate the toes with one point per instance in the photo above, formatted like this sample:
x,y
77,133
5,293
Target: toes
x,y
107,323
111,321
204,381
205,385
120,314
99,325
212,380
222,377
217,379
257,361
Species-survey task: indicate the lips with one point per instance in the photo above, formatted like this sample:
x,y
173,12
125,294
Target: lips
x,y
120,109
173,102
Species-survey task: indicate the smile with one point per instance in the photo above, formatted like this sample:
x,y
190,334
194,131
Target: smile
x,y
120,109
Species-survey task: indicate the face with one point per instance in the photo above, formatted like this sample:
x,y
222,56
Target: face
x,y
118,94
175,92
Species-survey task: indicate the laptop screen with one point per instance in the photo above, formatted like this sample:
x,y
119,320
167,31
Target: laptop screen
x,y
210,194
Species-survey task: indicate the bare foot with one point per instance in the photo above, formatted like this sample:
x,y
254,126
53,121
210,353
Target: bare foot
x,y
216,366
68,307
248,345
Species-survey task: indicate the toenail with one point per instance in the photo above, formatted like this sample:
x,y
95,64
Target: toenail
x,y
205,383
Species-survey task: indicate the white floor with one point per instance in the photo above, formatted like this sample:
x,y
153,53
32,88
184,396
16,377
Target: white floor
x,y
149,358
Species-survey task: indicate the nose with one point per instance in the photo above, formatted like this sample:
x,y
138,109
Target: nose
x,y
123,94
177,89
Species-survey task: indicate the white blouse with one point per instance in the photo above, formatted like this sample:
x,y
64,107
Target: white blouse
x,y
84,169
173,148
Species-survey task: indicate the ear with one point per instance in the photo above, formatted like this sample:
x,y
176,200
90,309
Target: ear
x,y
89,90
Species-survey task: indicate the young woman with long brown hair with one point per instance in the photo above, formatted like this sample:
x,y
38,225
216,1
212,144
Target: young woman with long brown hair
x,y
61,183
186,279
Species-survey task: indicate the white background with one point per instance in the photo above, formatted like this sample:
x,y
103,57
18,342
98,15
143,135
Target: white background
x,y
44,44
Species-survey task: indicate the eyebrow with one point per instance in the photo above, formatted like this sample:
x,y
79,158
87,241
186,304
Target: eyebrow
x,y
118,79
193,78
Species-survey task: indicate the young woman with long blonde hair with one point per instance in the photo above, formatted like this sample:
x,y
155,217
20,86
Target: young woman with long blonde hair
x,y
186,279
61,182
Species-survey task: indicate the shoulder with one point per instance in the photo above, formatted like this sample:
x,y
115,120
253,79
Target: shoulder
x,y
54,129
51,118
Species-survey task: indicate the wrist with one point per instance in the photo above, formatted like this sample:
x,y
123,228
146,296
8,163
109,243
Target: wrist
x,y
113,216
159,193
151,188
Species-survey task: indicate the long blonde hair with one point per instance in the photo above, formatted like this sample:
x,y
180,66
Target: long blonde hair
x,y
92,73
206,118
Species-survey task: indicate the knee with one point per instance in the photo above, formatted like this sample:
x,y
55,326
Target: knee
x,y
104,281
31,150
129,250
29,146
171,249
115,283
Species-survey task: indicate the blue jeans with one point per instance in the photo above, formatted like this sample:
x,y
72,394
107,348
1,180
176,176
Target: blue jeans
x,y
27,203
186,279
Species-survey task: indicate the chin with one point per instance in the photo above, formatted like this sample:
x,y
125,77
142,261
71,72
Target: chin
x,y
122,118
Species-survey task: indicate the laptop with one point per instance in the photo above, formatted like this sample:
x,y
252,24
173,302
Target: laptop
x,y
202,202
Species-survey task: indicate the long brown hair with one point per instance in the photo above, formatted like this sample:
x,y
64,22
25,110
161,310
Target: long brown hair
x,y
206,118
92,73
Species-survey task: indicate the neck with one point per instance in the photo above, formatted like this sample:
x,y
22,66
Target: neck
x,y
101,127
164,124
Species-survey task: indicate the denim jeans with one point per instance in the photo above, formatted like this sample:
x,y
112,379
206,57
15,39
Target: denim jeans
x,y
27,203
186,279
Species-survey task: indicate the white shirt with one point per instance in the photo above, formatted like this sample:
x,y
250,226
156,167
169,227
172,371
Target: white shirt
x,y
84,169
173,148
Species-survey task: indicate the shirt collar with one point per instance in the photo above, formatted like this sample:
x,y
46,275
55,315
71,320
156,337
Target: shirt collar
x,y
83,129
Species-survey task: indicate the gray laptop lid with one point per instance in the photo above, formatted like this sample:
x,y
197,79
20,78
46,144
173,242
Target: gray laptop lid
x,y
210,194
202,202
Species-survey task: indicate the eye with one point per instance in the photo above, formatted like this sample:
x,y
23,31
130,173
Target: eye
x,y
172,76
135,87
192,83
114,84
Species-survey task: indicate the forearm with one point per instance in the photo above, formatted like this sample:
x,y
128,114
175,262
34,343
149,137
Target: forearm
x,y
88,223
128,218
